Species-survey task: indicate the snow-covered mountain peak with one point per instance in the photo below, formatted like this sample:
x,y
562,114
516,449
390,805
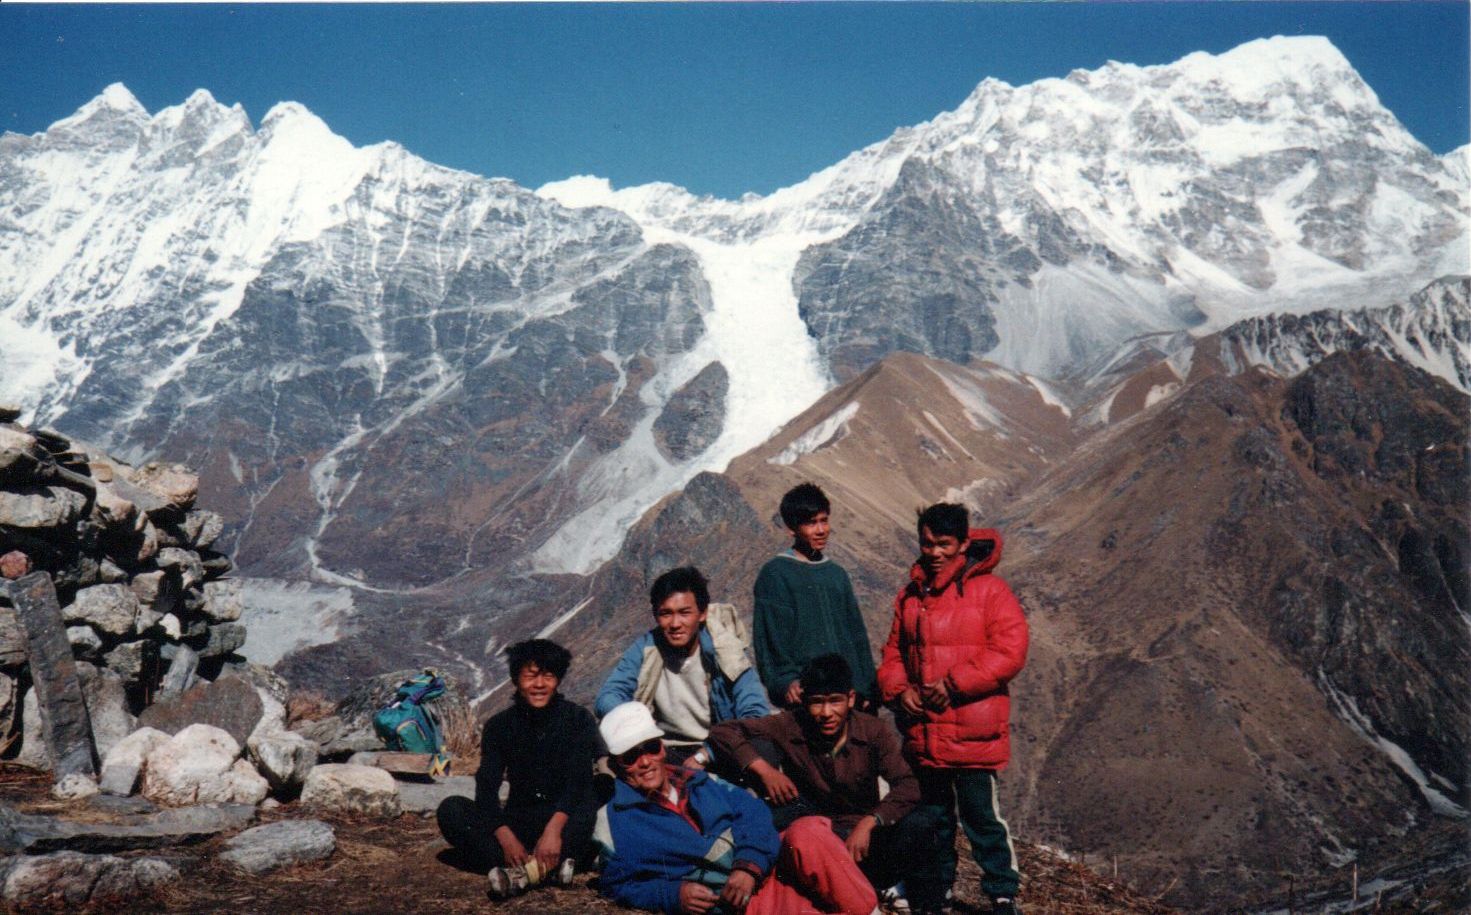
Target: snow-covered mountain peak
x,y
1291,57
116,98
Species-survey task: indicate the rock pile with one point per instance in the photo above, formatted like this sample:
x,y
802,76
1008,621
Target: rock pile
x,y
145,605
119,672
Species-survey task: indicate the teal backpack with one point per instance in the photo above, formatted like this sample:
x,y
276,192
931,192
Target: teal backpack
x,y
408,725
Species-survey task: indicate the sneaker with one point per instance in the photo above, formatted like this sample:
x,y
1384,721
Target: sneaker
x,y
505,882
1005,905
894,898
564,872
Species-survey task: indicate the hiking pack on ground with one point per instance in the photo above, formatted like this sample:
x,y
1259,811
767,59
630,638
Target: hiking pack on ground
x,y
410,725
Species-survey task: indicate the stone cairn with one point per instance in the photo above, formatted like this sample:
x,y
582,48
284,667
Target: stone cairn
x,y
126,557
119,673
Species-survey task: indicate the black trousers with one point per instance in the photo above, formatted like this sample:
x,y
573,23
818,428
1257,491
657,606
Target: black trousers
x,y
466,827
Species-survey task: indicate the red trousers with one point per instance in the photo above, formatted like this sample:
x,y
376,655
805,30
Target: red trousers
x,y
814,875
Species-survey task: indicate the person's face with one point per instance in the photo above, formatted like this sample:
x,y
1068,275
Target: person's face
x,y
935,552
829,711
679,619
536,686
642,767
812,535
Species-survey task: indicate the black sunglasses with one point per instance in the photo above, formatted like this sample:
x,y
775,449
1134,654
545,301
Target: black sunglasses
x,y
634,754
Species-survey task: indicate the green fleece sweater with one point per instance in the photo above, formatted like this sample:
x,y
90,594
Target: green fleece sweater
x,y
804,610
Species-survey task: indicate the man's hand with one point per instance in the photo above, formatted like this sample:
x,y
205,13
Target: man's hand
x,y
911,702
859,839
549,850
511,847
779,788
738,890
935,695
794,692
696,898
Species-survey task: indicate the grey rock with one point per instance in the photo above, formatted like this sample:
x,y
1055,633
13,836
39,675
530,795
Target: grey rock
x,y
112,508
692,419
200,764
30,506
364,790
12,639
173,483
105,695
228,703
180,672
283,757
222,600
112,609
132,659
33,751
157,590
18,450
85,641
424,797
186,564
74,787
266,848
74,879
223,638
124,762
122,806
216,565
37,834
66,730
110,572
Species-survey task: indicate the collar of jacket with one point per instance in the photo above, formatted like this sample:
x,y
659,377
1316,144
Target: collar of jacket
x,y
854,735
626,796
982,554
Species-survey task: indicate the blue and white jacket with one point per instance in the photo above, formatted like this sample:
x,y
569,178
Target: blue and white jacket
x,y
648,850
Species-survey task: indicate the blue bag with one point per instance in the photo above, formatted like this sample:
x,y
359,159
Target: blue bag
x,y
409,725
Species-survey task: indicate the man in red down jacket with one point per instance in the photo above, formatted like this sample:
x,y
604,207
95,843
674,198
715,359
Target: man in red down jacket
x,y
958,638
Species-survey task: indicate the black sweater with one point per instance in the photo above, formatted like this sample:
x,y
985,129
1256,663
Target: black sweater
x,y
546,755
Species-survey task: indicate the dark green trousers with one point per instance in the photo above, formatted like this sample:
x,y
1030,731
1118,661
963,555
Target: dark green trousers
x,y
971,793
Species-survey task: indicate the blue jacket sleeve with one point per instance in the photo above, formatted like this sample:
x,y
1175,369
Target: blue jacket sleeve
x,y
622,882
619,686
756,839
750,697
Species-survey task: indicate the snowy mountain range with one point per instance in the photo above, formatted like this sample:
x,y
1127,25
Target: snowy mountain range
x,y
395,374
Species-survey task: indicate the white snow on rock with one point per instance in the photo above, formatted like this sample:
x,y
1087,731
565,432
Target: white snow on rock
x,y
819,436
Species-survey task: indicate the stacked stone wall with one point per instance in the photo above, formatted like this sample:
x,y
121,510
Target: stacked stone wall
x,y
144,596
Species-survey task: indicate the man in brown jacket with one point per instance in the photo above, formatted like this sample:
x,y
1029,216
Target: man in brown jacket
x,y
825,758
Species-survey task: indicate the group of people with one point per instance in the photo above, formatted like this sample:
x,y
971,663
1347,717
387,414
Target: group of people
x,y
720,805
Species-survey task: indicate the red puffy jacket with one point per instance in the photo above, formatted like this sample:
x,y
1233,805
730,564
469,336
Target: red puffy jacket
x,y
971,633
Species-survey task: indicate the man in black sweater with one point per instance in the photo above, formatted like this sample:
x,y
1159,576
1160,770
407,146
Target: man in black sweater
x,y
544,746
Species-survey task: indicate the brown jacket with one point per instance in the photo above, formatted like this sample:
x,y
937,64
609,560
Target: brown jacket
x,y
843,786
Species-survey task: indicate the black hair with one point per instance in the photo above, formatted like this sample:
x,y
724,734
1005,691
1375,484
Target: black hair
x,y
945,519
544,653
676,581
802,503
826,674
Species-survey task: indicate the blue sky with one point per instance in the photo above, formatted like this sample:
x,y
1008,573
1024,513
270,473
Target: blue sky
x,y
721,99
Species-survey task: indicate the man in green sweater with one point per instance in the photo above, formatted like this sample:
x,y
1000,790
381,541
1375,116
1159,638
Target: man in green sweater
x,y
805,606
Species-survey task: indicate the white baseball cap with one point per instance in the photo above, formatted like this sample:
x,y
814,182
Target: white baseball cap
x,y
628,725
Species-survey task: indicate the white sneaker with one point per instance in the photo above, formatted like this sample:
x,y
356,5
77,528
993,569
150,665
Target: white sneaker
x,y
894,898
